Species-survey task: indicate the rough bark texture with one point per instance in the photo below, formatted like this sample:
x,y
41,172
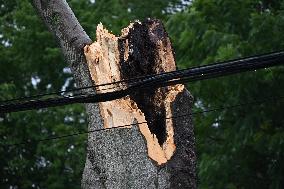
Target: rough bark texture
x,y
71,37
156,154
159,154
61,21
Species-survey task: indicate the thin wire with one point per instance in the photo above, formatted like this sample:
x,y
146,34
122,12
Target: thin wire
x,y
142,79
255,102
170,78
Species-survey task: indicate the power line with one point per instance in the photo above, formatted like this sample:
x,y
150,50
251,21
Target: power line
x,y
134,80
155,81
255,102
124,82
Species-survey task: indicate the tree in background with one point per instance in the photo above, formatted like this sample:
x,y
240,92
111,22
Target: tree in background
x,y
243,147
28,58
239,148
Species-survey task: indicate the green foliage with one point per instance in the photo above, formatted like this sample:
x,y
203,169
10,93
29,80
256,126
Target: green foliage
x,y
241,147
237,148
117,14
28,50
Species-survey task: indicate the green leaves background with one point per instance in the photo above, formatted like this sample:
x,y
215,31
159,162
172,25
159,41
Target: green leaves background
x,y
237,148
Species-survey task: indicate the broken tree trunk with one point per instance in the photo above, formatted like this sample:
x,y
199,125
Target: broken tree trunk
x,y
158,151
159,154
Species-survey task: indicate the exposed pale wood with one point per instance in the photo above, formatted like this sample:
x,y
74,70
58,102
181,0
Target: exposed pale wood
x,y
104,64
112,59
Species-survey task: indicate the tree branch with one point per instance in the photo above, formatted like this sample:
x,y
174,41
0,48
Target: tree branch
x,y
62,22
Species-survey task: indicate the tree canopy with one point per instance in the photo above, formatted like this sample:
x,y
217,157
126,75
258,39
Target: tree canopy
x,y
237,148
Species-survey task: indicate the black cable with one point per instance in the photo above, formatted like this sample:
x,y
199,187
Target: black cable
x,y
158,80
141,79
255,102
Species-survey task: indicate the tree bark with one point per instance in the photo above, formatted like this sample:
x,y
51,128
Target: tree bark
x,y
158,150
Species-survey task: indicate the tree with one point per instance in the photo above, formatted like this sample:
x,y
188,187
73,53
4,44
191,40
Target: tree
x,y
144,48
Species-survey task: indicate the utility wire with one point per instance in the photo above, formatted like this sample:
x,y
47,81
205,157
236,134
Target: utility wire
x,y
155,81
255,102
134,80
130,81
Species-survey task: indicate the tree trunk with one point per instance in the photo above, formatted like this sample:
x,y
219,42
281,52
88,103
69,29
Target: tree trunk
x,y
157,150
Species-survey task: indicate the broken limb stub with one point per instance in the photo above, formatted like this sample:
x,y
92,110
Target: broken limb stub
x,y
162,145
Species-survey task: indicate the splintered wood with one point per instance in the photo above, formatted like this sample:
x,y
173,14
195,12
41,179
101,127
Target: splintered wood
x,y
104,62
